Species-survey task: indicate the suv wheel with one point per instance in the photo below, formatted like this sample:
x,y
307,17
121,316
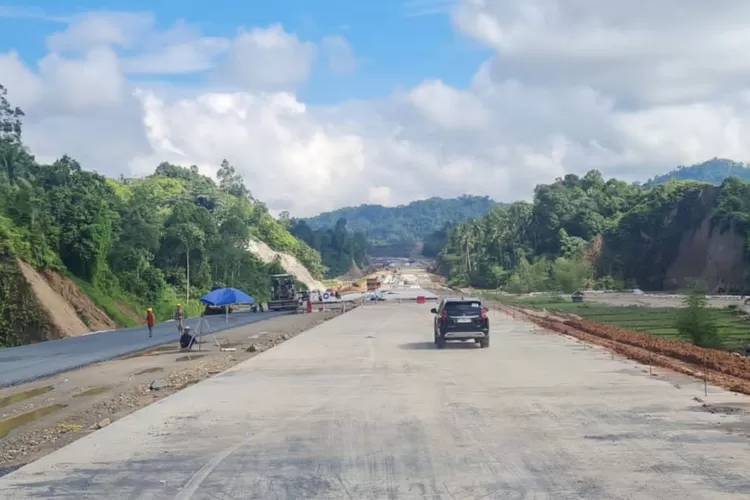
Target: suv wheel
x,y
485,342
440,342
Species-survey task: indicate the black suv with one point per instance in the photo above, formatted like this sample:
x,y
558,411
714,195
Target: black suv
x,y
461,319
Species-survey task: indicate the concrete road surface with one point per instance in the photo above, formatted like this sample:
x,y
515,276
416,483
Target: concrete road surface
x,y
30,362
364,407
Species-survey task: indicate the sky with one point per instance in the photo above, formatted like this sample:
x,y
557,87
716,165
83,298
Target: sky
x,y
335,103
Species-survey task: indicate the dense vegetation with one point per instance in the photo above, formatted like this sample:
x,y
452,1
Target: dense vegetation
x,y
397,231
339,248
713,171
156,241
588,232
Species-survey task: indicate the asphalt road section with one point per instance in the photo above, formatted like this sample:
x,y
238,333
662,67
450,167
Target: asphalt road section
x,y
364,407
31,362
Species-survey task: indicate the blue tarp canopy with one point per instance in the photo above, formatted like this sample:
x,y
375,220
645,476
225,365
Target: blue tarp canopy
x,y
226,297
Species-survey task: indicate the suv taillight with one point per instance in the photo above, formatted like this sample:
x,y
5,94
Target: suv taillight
x,y
484,314
444,315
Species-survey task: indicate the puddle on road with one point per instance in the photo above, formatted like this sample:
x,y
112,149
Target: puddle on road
x,y
23,396
13,423
149,370
91,392
188,358
723,409
165,349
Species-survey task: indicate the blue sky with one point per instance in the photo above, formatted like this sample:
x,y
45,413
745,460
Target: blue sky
x,y
394,48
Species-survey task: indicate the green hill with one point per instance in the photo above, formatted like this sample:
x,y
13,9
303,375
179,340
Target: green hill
x,y
713,171
582,232
395,231
127,243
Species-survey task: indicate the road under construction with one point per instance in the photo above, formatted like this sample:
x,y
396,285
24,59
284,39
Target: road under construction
x,y
364,406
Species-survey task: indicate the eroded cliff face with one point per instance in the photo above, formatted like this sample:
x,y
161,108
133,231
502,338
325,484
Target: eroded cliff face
x,y
672,243
22,319
710,255
705,251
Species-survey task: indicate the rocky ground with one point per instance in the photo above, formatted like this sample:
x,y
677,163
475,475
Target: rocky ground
x,y
41,417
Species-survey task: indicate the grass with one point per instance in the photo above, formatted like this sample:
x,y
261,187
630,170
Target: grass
x,y
109,304
734,325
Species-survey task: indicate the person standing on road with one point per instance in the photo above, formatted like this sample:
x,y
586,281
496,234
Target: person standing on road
x,y
150,320
179,316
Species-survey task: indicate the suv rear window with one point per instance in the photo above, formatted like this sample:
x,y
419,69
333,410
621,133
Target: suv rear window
x,y
467,307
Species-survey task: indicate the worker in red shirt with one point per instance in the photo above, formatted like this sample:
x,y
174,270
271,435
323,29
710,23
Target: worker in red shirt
x,y
150,320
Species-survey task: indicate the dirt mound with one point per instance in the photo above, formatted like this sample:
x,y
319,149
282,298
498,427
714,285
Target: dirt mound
x,y
351,289
91,315
61,314
354,273
288,262
129,312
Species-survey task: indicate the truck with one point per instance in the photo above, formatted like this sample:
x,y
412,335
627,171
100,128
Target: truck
x,y
372,284
284,294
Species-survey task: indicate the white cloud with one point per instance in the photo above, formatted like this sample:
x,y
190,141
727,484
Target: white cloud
x,y
189,57
24,87
270,59
572,86
669,50
340,54
78,85
448,107
102,28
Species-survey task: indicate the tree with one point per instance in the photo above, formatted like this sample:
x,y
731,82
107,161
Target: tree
x,y
230,181
695,322
338,247
395,231
10,119
132,243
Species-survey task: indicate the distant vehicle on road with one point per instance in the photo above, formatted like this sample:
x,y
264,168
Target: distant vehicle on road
x,y
372,284
284,294
459,318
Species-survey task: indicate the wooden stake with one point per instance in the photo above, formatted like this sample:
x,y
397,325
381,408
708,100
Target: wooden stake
x,y
705,376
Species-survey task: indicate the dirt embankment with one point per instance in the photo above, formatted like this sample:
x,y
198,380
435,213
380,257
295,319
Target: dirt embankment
x,y
710,255
22,318
288,262
92,316
70,311
718,367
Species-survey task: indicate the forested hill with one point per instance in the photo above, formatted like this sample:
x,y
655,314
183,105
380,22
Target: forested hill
x,y
341,250
713,171
128,243
582,232
399,229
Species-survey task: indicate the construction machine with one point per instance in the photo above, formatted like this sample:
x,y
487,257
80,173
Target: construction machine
x,y
284,294
372,284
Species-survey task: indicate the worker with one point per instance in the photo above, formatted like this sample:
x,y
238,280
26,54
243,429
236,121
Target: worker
x,y
186,339
150,320
179,316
